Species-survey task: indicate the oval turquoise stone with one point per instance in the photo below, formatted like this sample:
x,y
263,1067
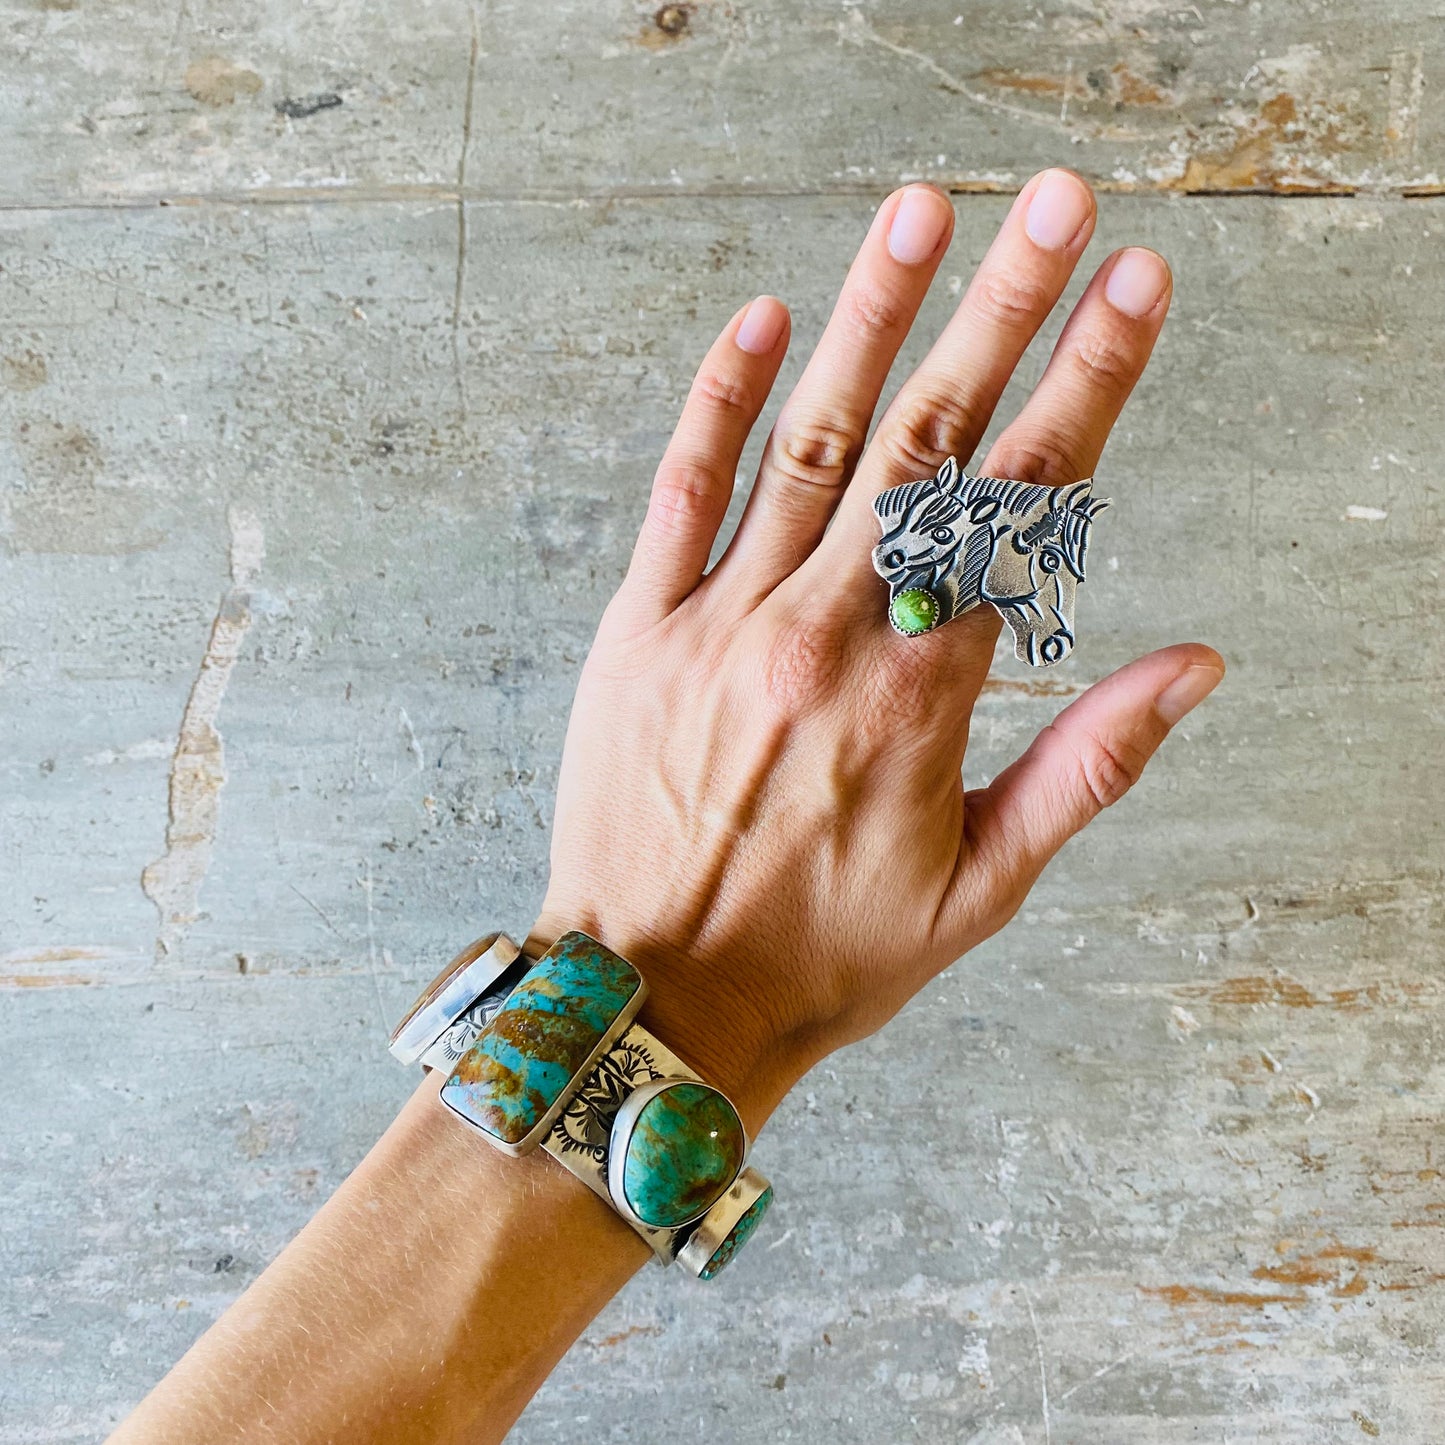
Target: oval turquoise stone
x,y
738,1235
685,1151
914,611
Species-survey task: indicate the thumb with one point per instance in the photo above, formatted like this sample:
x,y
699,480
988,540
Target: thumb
x,y
1086,759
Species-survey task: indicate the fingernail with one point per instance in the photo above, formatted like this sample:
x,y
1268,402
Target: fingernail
x,y
762,326
918,226
1059,207
1186,692
1136,282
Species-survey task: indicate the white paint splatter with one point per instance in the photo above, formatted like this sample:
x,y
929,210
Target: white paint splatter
x,y
198,763
1364,514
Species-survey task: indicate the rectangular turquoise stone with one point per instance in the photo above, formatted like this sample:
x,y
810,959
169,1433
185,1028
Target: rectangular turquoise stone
x,y
517,1073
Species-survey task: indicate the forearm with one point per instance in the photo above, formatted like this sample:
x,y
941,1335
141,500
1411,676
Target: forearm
x,y
427,1301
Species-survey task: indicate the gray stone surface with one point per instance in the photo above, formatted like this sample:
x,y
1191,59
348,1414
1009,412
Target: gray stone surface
x,y
288,473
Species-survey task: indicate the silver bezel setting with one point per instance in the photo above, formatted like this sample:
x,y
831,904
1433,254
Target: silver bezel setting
x,y
622,1128
419,1031
720,1221
461,1033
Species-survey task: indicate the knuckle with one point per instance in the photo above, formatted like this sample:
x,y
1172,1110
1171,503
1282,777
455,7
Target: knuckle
x,y
1043,460
1010,300
872,309
1105,769
683,496
723,393
816,451
1104,359
929,427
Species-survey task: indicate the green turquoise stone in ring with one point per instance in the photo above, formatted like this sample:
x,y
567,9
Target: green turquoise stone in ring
x,y
738,1235
684,1152
913,611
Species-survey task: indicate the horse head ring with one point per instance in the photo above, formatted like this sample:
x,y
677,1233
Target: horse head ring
x,y
952,541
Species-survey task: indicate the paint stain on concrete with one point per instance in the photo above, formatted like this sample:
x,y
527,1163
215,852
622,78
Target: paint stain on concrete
x,y
215,81
198,764
23,371
71,502
669,24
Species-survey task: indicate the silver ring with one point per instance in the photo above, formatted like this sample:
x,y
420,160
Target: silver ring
x,y
951,541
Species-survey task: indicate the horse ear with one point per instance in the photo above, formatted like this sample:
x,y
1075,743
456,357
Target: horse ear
x,y
1078,498
947,478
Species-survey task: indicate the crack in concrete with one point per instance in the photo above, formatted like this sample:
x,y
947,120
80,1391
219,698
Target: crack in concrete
x,y
198,764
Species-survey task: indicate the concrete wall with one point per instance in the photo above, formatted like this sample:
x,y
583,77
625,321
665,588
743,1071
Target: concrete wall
x,y
336,344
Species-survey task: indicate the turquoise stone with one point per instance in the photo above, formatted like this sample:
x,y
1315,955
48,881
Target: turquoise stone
x,y
914,611
685,1151
524,1059
738,1235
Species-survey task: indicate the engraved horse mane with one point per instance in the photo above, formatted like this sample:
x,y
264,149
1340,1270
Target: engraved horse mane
x,y
968,540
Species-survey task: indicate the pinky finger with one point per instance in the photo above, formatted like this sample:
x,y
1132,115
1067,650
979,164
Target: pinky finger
x,y
694,481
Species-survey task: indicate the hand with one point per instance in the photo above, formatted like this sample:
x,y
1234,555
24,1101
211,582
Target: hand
x,y
761,799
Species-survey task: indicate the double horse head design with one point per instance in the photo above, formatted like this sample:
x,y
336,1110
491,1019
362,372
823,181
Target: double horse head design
x,y
964,540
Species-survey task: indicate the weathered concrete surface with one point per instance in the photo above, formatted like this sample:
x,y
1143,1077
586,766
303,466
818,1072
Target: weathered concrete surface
x,y
1161,1163
135,101
283,484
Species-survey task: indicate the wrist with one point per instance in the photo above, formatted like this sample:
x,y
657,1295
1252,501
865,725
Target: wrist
x,y
725,1041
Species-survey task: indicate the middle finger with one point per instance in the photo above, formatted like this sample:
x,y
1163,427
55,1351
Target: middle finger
x,y
944,408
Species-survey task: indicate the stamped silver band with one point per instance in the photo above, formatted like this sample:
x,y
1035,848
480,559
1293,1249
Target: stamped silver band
x,y
462,1033
474,971
581,1137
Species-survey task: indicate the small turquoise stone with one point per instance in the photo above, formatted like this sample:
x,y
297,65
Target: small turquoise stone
x,y
738,1235
524,1059
913,611
685,1151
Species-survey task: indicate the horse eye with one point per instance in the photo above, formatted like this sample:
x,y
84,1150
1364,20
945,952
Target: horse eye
x,y
984,510
943,535
1049,560
895,559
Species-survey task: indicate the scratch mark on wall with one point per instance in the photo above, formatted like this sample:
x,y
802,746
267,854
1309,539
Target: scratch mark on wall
x,y
413,746
857,30
367,885
458,369
1043,1373
198,764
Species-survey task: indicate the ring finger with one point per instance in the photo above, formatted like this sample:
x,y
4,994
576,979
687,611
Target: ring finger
x,y
820,431
1059,434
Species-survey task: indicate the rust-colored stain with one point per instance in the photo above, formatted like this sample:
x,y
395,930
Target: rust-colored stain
x,y
1279,149
608,1341
1131,89
44,980
54,955
669,24
1180,1295
1253,989
1029,84
1257,990
1333,1266
1043,687
1119,86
